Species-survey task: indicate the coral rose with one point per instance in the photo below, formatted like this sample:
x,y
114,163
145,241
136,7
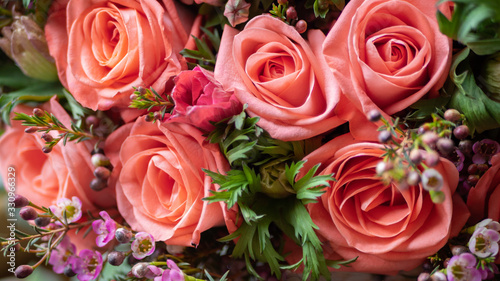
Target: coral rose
x,y
386,55
483,199
387,227
161,183
200,100
270,67
103,48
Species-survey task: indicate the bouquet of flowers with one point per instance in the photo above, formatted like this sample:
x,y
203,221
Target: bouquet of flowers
x,y
234,140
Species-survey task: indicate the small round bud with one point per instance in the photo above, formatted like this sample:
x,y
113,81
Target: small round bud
x,y
158,115
100,159
133,96
472,169
30,130
439,276
149,118
384,136
413,178
23,271
42,221
141,90
282,2
382,167
47,137
431,159
68,271
482,167
116,258
445,145
374,115
424,276
123,235
20,201
140,269
430,138
461,132
98,184
38,112
437,197
473,179
465,146
28,213
301,26
46,149
416,156
452,115
92,121
291,13
424,128
458,249
102,173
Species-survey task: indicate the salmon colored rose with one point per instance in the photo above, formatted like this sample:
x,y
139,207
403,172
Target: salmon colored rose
x,y
386,55
270,67
161,183
483,199
388,228
63,173
103,48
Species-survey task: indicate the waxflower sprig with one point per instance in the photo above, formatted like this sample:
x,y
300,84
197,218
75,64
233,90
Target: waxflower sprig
x,y
149,99
411,154
43,121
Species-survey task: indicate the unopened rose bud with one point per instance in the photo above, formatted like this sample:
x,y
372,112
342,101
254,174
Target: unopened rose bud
x,y
301,26
100,160
47,137
461,132
20,201
98,184
102,173
291,13
452,115
116,258
24,41
28,213
23,271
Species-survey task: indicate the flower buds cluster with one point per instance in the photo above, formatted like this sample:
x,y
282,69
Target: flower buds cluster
x,y
102,170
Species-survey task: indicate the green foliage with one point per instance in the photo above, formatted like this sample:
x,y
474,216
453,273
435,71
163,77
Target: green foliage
x,y
204,54
481,112
150,100
474,23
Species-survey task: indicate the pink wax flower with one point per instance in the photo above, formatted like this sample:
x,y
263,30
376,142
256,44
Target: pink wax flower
x,y
199,99
105,229
72,208
143,245
484,150
174,273
60,256
87,265
484,242
462,268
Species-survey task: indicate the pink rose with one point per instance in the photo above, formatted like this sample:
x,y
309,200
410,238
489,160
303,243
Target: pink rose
x,y
270,67
63,173
199,100
389,228
483,200
103,48
386,55
160,182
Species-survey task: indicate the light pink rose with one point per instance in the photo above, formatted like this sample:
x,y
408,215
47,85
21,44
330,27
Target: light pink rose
x,y
160,182
386,55
199,100
387,227
270,67
103,48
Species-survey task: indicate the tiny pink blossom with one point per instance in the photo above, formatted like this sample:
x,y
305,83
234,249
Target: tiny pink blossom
x,y
143,245
105,229
87,265
484,242
463,268
60,257
174,273
236,11
72,208
432,180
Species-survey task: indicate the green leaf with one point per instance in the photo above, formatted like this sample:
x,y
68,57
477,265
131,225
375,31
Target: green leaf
x,y
76,109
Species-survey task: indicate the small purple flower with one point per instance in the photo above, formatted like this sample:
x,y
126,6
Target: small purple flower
x,y
60,256
72,208
463,268
489,224
484,242
87,265
432,180
153,272
143,245
174,273
458,158
484,150
105,229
